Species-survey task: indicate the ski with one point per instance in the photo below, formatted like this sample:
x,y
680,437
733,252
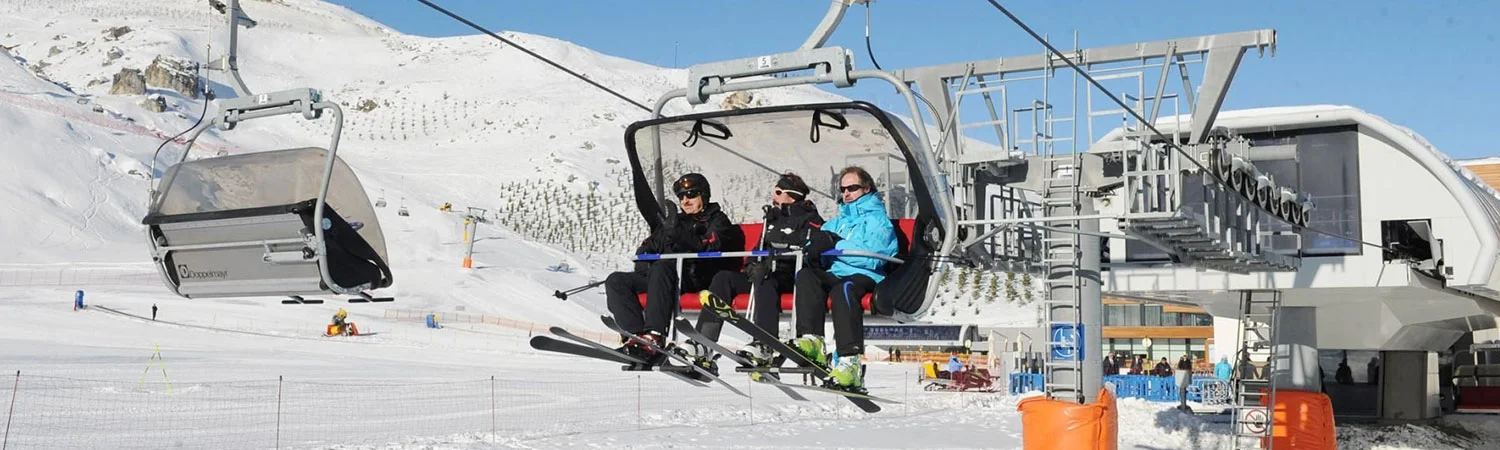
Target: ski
x,y
610,322
686,328
725,310
587,348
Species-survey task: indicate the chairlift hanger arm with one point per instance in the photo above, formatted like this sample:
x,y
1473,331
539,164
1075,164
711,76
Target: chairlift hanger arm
x,y
829,23
234,17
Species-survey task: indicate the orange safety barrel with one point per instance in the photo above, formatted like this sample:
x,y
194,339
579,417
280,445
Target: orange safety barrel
x,y
1048,424
1302,420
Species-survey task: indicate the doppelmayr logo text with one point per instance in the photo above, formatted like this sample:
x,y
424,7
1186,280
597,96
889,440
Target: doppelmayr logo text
x,y
184,272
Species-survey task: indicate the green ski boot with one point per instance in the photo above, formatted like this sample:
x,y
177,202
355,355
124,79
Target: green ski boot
x,y
811,346
848,374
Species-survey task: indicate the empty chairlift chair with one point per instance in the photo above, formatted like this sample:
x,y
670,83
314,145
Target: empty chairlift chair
x,y
288,223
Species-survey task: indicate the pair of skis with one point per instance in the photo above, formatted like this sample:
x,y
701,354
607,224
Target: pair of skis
x,y
580,346
725,310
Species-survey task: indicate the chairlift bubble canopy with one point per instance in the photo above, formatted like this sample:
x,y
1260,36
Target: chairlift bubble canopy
x,y
743,153
241,225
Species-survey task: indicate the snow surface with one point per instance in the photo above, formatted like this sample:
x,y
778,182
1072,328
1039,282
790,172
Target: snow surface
x,y
460,120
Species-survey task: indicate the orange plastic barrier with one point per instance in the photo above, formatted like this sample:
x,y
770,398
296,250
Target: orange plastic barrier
x,y
1055,424
1303,420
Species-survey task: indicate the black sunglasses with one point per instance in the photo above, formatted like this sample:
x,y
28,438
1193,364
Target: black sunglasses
x,y
851,188
690,193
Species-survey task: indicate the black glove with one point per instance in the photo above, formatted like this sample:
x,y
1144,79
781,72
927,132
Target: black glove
x,y
757,270
819,241
770,213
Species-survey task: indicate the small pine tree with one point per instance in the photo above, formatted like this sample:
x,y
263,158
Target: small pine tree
x,y
963,279
994,289
975,289
1029,292
1010,288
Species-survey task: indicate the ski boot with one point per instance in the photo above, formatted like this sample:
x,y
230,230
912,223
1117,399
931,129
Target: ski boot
x,y
759,356
700,355
811,347
650,355
848,374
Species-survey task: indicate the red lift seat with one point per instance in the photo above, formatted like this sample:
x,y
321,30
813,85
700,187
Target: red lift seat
x,y
904,230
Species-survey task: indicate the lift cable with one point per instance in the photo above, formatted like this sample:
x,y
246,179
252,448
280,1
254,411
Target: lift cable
x,y
535,55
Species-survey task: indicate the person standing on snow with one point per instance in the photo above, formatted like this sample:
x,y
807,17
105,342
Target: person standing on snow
x,y
790,219
1162,369
153,312
700,226
1184,379
861,225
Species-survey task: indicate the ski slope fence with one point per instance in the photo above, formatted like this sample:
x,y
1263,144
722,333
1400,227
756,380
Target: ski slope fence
x,y
71,275
1207,390
49,412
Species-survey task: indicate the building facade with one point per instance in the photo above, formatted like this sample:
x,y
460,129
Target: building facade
x,y
1153,331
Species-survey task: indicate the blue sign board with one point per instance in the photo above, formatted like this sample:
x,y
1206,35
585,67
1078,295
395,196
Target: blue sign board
x,y
1067,342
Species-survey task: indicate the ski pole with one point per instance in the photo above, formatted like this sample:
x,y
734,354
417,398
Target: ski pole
x,y
563,295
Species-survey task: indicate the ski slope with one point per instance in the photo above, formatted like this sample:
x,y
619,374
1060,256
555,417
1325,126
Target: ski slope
x,y
462,120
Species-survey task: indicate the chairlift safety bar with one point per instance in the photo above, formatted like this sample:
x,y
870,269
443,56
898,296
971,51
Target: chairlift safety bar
x,y
759,253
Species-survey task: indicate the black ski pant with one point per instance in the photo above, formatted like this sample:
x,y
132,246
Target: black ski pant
x,y
659,283
815,289
767,312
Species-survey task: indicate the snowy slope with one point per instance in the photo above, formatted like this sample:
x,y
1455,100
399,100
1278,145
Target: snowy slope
x,y
455,120
462,120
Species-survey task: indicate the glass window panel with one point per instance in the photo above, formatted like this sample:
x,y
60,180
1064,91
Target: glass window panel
x,y
1330,174
1132,316
1152,315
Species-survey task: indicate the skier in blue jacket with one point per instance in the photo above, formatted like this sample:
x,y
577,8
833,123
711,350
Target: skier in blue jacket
x,y
861,225
1223,370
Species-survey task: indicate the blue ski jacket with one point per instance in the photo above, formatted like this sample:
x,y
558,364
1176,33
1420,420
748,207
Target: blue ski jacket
x,y
862,225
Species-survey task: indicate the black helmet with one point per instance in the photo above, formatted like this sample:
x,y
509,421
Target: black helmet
x,y
692,183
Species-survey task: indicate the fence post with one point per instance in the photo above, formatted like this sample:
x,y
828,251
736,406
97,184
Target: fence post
x,y
279,380
493,428
750,391
14,388
906,395
638,419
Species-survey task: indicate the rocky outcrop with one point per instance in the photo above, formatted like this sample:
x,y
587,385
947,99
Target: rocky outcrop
x,y
128,82
366,105
155,103
737,100
115,32
168,73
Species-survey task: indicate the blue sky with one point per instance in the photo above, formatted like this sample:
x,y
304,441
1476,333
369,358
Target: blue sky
x,y
1427,65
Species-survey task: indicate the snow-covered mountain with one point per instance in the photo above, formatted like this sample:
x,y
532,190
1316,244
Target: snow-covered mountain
x,y
461,120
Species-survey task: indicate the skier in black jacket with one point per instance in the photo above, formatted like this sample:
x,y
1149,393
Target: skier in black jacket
x,y
700,226
789,219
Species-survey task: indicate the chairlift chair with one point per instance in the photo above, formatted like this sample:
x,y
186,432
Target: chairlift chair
x,y
402,210
289,222
744,151
380,202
